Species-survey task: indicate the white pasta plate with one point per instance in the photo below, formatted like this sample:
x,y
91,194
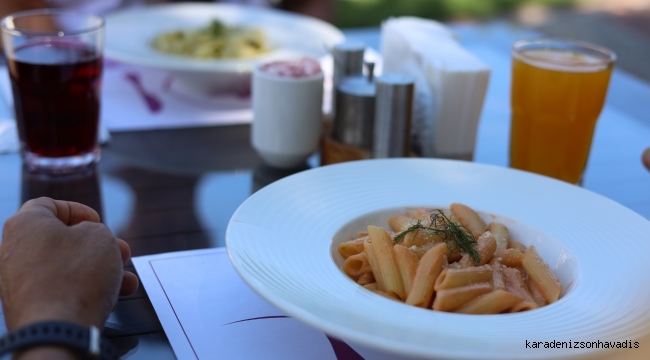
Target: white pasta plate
x,y
130,32
282,242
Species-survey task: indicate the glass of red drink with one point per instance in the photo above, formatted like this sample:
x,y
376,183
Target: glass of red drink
x,y
55,65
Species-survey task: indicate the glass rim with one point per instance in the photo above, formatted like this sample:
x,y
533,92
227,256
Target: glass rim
x,y
608,58
60,33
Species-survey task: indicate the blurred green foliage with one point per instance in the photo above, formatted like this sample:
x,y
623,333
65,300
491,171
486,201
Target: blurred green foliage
x,y
361,13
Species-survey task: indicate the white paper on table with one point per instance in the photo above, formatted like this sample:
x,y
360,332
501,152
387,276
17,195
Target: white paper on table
x,y
208,312
124,107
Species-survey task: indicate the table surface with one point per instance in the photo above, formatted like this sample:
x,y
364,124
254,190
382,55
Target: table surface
x,y
173,190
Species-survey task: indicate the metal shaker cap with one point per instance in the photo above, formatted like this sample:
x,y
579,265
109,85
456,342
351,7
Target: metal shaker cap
x,y
348,59
355,111
393,110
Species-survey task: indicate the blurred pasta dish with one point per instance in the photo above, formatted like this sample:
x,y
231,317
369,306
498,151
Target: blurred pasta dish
x,y
215,41
450,261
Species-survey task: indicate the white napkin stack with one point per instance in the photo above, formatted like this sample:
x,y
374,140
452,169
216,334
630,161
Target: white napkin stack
x,y
450,84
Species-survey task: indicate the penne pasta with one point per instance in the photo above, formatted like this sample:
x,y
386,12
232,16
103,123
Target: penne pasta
x,y
491,303
516,245
387,295
500,233
537,295
485,245
350,248
454,254
509,257
374,262
540,274
428,262
452,299
421,237
356,265
428,270
516,285
371,286
453,278
419,251
382,245
400,223
498,282
523,306
469,218
366,278
422,215
407,262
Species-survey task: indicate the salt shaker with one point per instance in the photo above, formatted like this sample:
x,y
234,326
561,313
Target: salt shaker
x,y
348,59
348,62
355,110
393,110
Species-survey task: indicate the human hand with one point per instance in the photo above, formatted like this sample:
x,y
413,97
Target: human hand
x,y
57,262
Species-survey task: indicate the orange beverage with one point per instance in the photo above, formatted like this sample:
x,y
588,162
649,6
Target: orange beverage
x,y
558,91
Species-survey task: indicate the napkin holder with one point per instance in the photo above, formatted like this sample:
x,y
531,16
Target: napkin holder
x,y
450,85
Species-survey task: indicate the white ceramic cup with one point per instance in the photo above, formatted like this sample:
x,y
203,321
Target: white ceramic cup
x,y
288,117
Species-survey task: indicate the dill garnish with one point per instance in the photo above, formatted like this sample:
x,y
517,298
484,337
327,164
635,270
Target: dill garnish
x,y
454,235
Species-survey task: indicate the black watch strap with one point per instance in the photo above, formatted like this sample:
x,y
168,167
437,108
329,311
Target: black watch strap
x,y
87,342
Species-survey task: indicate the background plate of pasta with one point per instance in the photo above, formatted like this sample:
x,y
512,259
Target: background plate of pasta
x,y
445,259
183,38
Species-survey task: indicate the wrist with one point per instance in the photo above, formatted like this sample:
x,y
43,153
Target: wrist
x,y
52,311
45,352
57,340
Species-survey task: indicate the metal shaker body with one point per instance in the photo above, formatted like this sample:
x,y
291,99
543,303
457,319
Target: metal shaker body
x,y
393,111
355,112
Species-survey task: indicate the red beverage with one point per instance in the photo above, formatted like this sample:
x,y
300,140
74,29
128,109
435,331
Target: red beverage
x,y
56,93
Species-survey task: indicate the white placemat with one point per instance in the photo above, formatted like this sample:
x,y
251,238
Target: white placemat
x,y
137,98
208,312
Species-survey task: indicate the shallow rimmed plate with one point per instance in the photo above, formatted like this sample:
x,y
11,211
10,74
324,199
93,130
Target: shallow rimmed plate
x,y
280,241
130,32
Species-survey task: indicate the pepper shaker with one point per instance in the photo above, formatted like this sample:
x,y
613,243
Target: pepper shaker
x,y
355,112
394,106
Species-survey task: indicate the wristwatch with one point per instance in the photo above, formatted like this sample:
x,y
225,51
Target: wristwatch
x,y
88,343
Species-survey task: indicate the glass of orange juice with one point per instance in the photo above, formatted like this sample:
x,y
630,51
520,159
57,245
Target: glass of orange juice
x,y
558,90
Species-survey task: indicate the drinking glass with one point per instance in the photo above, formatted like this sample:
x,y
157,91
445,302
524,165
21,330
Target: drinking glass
x,y
558,91
55,65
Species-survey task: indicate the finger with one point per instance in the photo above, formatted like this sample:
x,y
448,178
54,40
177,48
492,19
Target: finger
x,y
130,283
125,250
646,158
70,213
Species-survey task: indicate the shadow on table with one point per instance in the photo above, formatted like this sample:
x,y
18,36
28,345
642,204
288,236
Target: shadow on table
x,y
82,187
264,174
